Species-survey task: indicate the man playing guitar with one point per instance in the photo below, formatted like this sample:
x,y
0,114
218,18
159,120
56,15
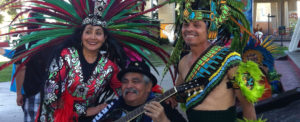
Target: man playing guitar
x,y
137,82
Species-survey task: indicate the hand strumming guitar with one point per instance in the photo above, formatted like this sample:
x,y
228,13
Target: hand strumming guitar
x,y
156,111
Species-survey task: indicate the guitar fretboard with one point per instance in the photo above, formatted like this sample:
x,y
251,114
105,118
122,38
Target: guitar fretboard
x,y
140,110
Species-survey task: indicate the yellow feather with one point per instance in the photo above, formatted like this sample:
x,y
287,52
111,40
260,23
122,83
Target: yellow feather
x,y
265,40
271,48
267,44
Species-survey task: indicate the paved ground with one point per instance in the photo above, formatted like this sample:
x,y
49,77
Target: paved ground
x,y
289,113
290,78
9,111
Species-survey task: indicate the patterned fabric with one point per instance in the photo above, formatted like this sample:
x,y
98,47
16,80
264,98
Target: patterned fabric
x,y
212,65
30,107
75,93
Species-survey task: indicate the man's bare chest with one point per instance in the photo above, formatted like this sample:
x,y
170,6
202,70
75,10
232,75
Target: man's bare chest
x,y
187,67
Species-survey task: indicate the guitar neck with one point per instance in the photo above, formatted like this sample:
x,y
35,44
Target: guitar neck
x,y
140,110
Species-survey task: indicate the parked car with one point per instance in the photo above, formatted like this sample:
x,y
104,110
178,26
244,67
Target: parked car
x,y
14,39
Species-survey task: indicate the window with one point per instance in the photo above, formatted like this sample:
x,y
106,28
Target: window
x,y
298,8
262,11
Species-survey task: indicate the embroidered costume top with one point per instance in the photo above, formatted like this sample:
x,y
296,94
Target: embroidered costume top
x,y
76,94
212,65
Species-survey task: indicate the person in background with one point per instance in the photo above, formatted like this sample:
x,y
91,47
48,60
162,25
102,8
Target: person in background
x,y
31,76
10,54
7,53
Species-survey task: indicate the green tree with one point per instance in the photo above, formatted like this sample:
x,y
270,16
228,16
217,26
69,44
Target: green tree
x,y
10,10
1,18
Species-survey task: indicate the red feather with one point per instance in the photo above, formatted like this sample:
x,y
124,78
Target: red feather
x,y
82,3
91,6
47,12
40,23
31,30
21,13
33,51
78,9
8,3
57,9
120,7
138,14
144,58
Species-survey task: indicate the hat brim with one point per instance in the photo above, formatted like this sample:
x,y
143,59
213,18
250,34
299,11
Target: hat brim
x,y
151,76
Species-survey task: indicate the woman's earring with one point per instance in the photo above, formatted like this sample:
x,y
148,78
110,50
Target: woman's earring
x,y
106,44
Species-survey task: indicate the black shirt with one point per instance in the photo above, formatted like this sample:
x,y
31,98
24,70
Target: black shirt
x,y
36,69
35,75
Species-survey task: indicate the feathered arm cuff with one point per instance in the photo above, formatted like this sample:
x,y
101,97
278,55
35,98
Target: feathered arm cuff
x,y
247,78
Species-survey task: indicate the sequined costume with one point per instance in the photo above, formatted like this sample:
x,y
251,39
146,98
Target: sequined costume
x,y
75,94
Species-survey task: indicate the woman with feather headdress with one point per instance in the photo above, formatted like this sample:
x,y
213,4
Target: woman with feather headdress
x,y
90,50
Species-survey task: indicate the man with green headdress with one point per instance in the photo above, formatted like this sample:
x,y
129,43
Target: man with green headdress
x,y
224,76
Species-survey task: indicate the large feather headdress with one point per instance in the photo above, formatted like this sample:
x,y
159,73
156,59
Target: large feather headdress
x,y
123,19
261,53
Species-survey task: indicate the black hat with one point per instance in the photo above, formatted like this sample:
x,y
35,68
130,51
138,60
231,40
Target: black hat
x,y
139,67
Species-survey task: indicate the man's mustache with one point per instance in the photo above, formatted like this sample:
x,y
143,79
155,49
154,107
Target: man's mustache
x,y
128,90
190,32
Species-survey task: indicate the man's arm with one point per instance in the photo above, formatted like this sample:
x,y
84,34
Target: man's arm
x,y
248,108
19,82
2,51
7,53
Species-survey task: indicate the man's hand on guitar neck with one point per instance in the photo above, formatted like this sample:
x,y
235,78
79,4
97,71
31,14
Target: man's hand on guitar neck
x,y
172,101
156,111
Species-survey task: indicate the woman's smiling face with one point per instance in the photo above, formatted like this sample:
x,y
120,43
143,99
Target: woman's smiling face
x,y
93,38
